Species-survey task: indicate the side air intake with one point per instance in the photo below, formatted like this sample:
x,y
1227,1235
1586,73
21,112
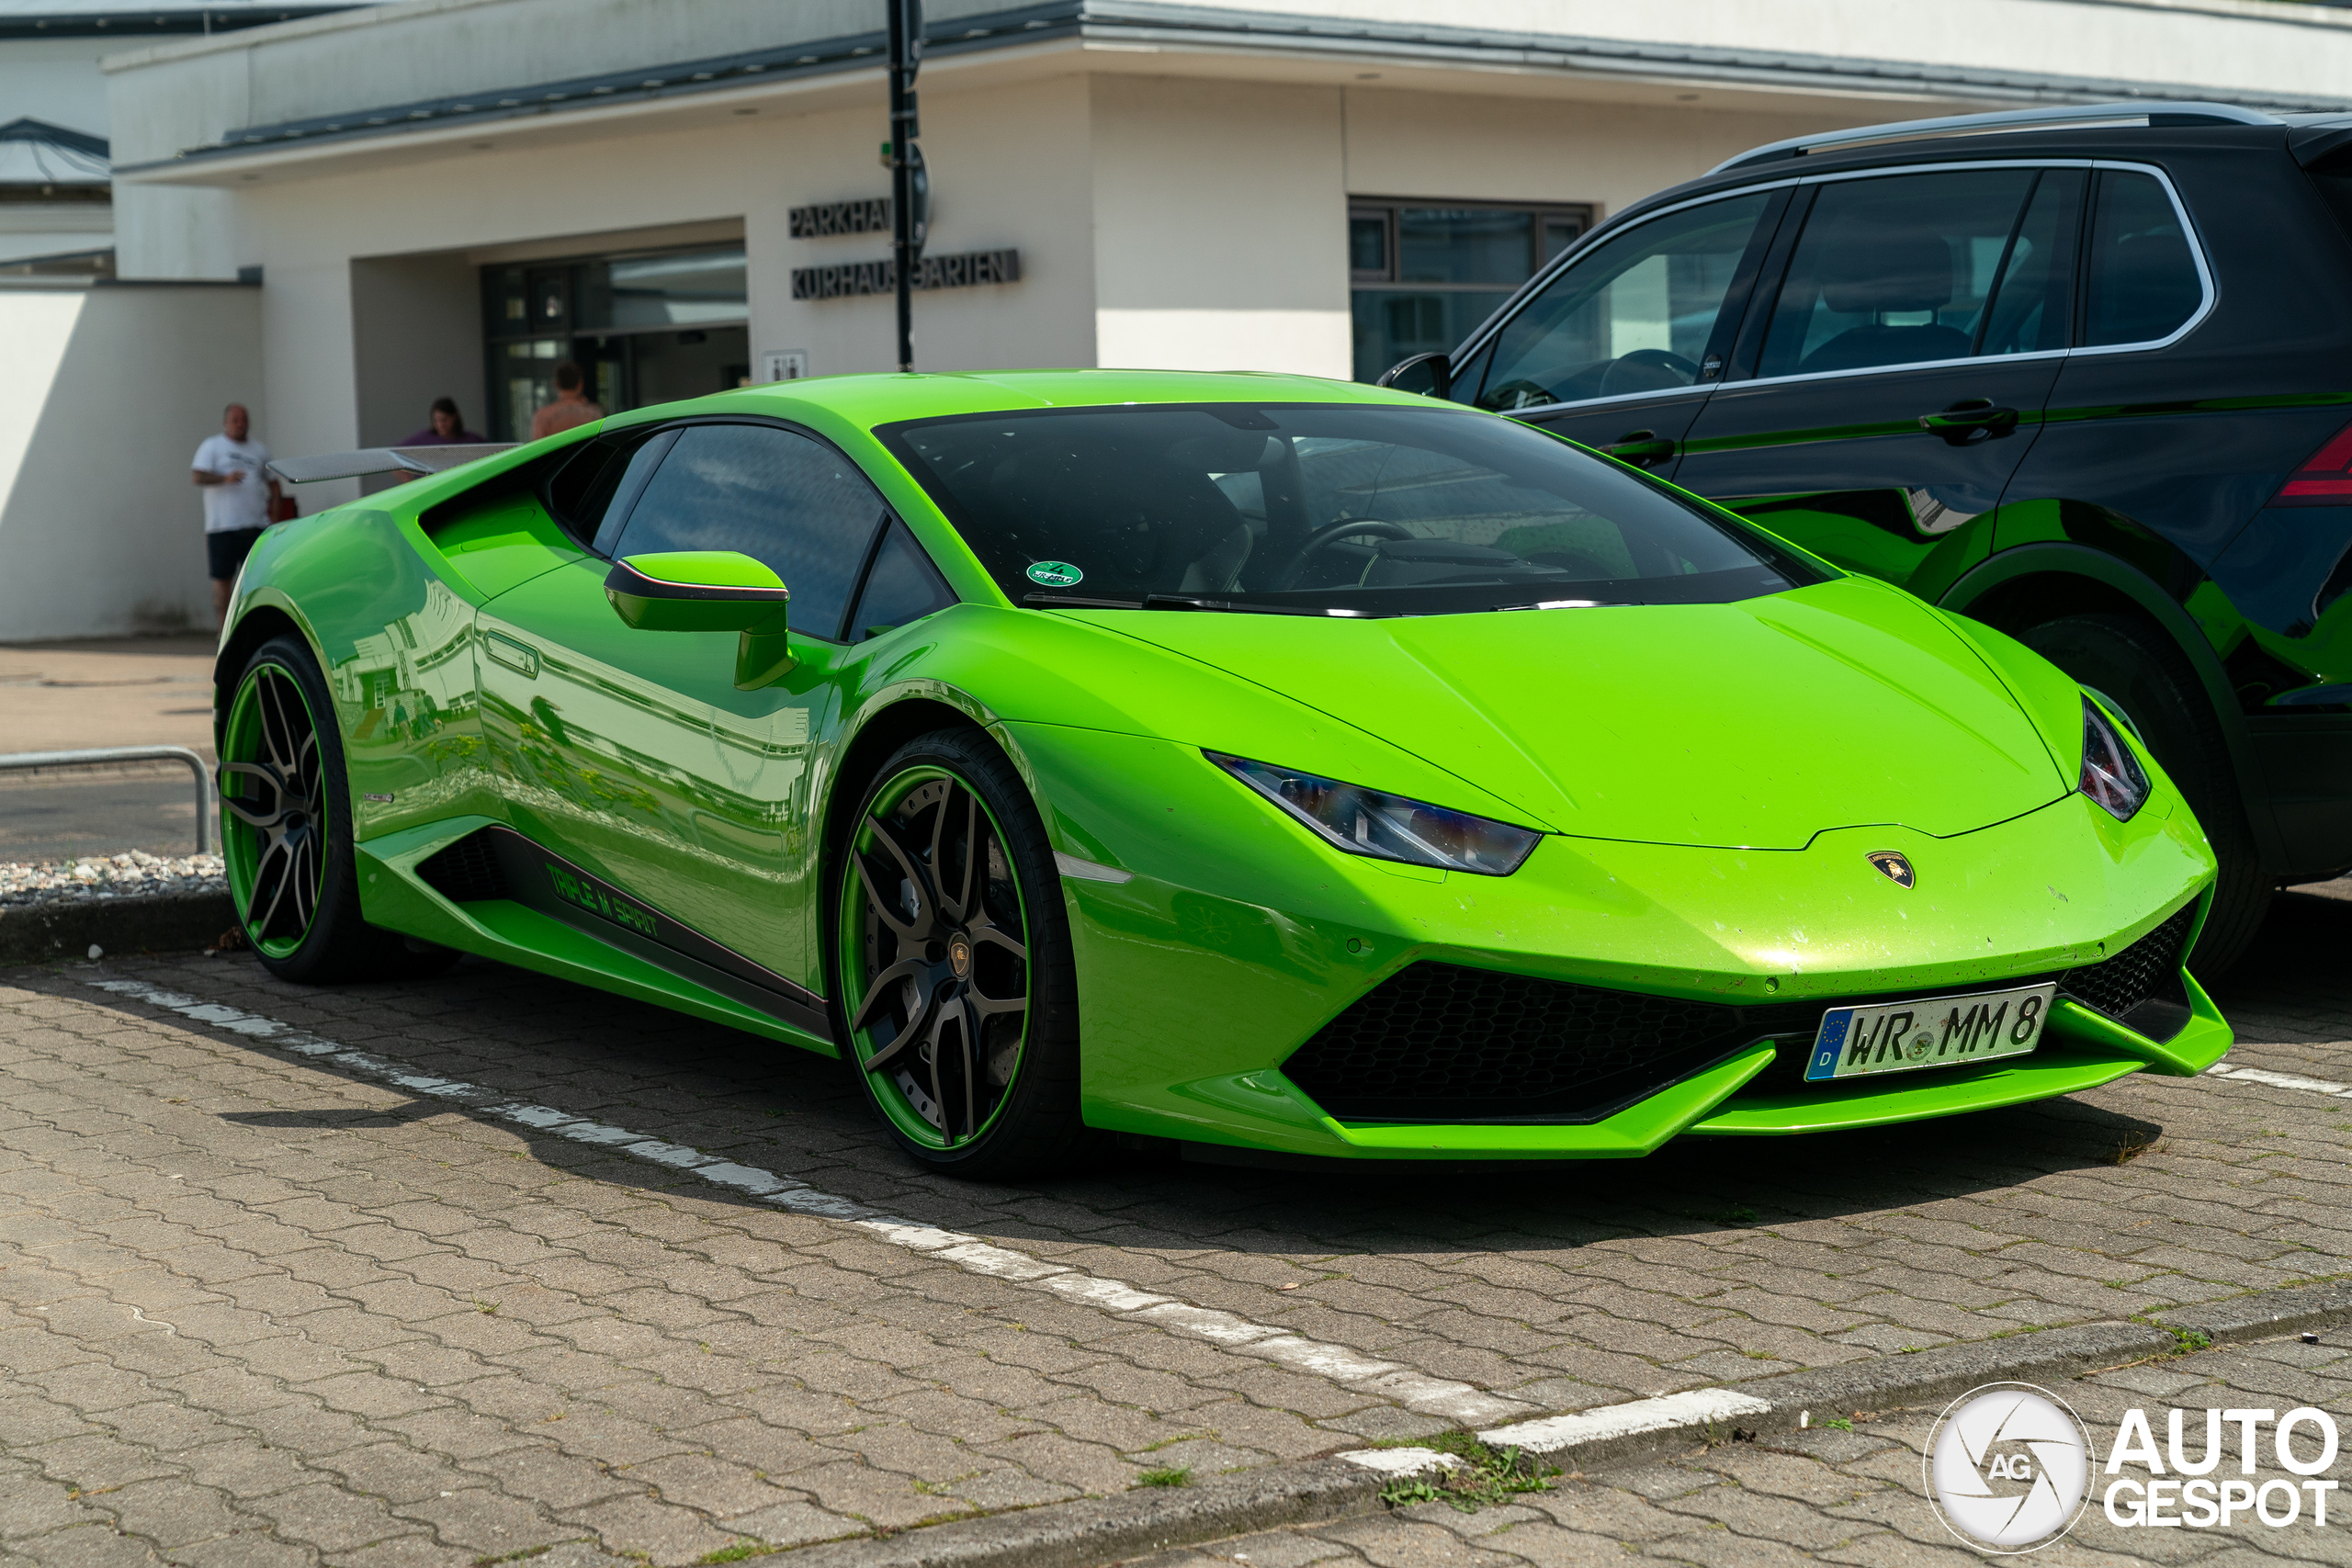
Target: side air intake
x,y
466,871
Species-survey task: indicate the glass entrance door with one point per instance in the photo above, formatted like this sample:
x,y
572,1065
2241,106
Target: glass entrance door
x,y
648,327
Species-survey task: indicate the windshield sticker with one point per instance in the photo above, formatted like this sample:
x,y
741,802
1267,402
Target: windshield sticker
x,y
1057,574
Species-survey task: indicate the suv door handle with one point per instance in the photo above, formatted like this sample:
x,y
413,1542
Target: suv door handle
x,y
1640,446
1971,419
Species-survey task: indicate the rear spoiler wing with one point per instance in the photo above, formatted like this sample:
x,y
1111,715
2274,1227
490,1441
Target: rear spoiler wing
x,y
382,460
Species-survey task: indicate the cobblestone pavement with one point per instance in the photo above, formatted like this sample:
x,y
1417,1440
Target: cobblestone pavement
x,y
255,1308
1859,1496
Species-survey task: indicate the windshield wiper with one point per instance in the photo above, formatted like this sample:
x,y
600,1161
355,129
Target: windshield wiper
x,y
1571,604
1077,602
1194,602
1251,608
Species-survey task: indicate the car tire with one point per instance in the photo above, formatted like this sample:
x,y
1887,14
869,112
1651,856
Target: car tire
x,y
2140,669
285,836
943,872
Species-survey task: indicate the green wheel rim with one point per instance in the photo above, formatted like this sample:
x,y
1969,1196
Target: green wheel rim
x,y
273,819
935,958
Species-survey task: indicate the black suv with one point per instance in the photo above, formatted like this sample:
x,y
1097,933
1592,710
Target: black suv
x,y
2085,374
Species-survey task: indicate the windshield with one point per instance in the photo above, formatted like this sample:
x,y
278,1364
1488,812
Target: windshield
x,y
1338,510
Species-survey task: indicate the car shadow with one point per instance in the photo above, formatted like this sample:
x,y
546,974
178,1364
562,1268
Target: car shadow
x,y
757,1103
338,1120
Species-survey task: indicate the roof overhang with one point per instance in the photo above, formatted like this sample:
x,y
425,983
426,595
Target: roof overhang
x,y
131,25
1132,37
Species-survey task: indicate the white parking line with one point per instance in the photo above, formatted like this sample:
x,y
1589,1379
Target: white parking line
x,y
2279,1080
1348,1368
1698,1408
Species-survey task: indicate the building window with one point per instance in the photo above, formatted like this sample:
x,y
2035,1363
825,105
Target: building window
x,y
645,328
1424,275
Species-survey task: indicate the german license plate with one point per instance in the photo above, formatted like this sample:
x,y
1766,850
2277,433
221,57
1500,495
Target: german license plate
x,y
1933,1032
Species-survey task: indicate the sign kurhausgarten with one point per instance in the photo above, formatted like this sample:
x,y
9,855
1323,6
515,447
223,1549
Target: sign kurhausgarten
x,y
848,280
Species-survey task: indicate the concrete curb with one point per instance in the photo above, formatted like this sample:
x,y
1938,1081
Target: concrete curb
x,y
1108,1529
1950,1370
1649,1428
2266,1313
68,928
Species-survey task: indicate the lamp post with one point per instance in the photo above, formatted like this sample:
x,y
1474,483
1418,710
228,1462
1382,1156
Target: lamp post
x,y
907,179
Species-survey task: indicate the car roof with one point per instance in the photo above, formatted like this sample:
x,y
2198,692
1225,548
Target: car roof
x,y
1780,162
883,398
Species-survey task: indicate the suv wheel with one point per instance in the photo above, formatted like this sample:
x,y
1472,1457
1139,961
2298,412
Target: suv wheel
x,y
2137,668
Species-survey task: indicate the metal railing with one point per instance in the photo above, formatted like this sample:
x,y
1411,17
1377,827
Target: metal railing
x,y
109,755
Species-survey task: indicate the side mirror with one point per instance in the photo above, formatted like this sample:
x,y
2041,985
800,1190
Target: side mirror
x,y
708,591
1432,375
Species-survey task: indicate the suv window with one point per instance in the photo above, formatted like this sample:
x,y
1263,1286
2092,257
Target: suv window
x,y
1895,270
779,496
1634,314
2144,281
2033,306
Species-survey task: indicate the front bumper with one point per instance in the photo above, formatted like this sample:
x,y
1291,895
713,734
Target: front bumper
x,y
1236,937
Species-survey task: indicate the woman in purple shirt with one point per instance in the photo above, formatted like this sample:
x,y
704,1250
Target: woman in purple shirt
x,y
448,429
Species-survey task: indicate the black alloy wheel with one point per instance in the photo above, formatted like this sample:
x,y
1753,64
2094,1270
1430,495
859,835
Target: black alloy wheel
x,y
953,963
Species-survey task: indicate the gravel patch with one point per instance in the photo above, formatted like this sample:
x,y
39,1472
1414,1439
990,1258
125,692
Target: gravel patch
x,y
132,874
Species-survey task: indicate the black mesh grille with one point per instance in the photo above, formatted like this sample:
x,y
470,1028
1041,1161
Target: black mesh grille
x,y
466,870
2140,986
1440,1043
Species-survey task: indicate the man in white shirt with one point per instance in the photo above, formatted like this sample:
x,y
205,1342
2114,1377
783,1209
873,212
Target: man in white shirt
x,y
233,472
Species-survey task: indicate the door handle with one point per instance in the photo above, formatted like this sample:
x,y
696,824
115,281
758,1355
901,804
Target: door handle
x,y
1971,419
1641,448
519,657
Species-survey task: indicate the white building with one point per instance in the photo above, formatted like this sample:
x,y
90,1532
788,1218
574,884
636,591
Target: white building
x,y
55,212
448,196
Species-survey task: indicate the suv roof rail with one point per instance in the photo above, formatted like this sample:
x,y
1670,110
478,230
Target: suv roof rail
x,y
2162,112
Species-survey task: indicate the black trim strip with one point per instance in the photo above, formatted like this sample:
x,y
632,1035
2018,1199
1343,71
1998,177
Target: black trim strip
x,y
538,878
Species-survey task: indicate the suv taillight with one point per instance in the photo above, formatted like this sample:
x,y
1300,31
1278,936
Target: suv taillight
x,y
2324,479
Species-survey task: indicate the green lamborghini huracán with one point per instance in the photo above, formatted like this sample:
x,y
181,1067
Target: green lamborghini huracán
x,y
1242,760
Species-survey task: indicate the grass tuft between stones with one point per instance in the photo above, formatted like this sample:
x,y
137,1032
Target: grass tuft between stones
x,y
1487,1476
1166,1475
526,1554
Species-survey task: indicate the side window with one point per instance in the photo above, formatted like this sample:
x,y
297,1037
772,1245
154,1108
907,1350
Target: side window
x,y
2033,308
592,492
781,498
1894,270
1634,315
2142,274
902,586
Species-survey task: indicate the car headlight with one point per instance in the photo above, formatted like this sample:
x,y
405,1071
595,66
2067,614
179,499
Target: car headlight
x,y
1387,827
2111,775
